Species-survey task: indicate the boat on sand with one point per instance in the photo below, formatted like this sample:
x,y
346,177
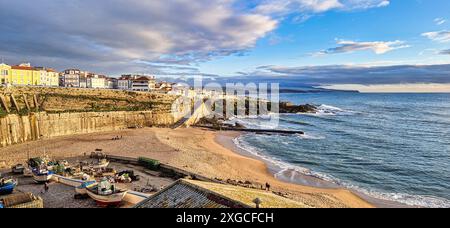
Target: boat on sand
x,y
42,176
106,194
7,186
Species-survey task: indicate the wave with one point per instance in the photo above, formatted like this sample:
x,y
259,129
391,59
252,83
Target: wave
x,y
310,136
329,107
325,110
404,198
297,122
292,172
283,166
254,121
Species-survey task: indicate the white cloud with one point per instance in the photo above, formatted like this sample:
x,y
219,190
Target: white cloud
x,y
440,21
439,36
126,30
316,6
378,47
394,88
121,35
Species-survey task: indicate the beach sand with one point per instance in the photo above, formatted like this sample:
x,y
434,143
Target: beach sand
x,y
204,152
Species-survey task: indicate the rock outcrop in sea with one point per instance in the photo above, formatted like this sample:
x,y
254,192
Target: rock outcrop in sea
x,y
287,107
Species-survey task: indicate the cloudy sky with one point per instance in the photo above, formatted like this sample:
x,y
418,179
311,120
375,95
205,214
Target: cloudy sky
x,y
312,41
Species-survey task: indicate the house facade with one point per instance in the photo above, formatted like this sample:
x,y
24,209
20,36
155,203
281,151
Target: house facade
x,y
143,84
5,71
48,77
24,74
111,83
95,81
70,78
136,82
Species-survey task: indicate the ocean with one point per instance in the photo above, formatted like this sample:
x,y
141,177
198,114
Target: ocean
x,y
389,146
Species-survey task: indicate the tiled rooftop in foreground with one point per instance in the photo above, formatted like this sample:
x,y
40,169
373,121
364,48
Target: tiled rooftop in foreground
x,y
198,194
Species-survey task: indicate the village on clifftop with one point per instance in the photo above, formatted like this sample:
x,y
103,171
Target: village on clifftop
x,y
25,74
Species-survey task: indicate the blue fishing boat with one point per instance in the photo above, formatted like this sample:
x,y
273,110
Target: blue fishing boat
x,y
42,176
82,189
7,186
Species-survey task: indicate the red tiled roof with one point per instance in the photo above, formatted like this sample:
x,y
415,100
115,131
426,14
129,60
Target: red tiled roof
x,y
22,68
143,79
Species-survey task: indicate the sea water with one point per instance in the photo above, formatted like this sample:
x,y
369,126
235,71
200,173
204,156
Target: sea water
x,y
389,146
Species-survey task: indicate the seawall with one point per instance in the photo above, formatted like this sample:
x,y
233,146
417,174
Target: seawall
x,y
16,129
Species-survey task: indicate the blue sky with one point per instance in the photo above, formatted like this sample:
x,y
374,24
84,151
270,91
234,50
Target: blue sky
x,y
296,43
313,41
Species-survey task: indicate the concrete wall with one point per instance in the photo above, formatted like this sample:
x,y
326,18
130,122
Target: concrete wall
x,y
18,129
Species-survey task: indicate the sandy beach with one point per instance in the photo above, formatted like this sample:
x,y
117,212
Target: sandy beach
x,y
205,152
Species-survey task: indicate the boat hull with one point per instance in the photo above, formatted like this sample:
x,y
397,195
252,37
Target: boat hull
x,y
17,170
110,200
8,189
82,189
101,166
42,178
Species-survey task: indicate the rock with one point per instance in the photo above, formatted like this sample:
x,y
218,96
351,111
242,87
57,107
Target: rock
x,y
290,108
239,126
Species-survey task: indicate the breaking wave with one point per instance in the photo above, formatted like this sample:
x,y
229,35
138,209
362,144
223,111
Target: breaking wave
x,y
292,173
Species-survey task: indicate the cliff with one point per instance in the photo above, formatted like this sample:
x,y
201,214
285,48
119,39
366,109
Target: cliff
x,y
18,129
31,113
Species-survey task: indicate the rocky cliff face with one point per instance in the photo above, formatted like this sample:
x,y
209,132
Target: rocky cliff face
x,y
31,113
18,129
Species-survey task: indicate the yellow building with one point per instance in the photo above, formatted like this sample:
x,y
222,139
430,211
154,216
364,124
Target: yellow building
x,y
24,74
5,72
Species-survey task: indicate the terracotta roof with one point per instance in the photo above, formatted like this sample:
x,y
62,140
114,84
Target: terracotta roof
x,y
143,78
22,68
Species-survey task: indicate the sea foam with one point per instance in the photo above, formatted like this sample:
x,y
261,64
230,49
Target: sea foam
x,y
291,172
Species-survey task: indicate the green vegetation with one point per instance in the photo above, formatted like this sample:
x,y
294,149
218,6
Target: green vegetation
x,y
149,163
23,112
68,100
3,113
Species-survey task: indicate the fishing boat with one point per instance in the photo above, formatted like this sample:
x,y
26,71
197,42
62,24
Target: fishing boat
x,y
106,194
102,163
35,162
7,186
42,176
28,172
18,169
82,189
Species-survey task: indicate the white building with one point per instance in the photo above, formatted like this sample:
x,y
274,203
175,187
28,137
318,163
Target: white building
x,y
144,84
124,82
71,78
111,83
48,77
136,82
95,81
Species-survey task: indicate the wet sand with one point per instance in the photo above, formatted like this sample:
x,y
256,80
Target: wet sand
x,y
200,151
226,139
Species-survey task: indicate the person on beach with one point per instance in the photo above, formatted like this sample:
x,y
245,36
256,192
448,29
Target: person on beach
x,y
46,187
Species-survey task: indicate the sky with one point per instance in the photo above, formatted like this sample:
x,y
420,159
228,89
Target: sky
x,y
306,41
